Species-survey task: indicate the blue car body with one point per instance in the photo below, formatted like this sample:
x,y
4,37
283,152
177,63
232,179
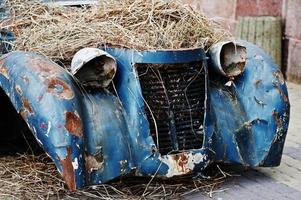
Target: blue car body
x,y
96,136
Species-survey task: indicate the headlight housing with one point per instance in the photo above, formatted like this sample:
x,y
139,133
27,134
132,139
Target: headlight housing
x,y
93,67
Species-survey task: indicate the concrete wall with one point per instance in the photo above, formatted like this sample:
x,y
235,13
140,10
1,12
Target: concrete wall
x,y
293,39
259,8
223,11
227,12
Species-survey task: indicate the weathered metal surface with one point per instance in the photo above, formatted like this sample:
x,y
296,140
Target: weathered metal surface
x,y
228,58
253,113
93,67
96,136
144,150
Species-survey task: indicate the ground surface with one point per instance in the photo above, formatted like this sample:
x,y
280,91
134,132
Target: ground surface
x,y
283,182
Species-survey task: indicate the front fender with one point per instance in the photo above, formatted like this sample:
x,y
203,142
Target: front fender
x,y
251,116
56,110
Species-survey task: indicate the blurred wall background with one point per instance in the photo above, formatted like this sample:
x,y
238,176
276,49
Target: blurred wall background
x,y
227,13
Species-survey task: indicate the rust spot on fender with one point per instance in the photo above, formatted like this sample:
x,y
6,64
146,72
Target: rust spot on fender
x,y
27,106
43,66
74,124
68,171
279,90
59,88
279,76
258,82
2,61
19,90
22,112
277,118
279,130
4,71
93,163
181,160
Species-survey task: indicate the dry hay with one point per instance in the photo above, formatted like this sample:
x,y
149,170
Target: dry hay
x,y
59,32
36,177
28,177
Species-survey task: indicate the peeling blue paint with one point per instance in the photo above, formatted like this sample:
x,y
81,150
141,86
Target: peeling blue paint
x,y
96,136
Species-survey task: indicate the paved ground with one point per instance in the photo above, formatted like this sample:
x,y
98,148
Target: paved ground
x,y
283,182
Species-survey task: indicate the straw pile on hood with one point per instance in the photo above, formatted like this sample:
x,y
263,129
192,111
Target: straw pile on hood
x,y
58,32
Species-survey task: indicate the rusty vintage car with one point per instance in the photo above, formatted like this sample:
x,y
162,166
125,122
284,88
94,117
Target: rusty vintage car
x,y
161,112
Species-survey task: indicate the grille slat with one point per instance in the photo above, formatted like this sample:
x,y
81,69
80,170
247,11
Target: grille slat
x,y
176,95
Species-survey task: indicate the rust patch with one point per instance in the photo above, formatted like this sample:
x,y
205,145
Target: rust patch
x,y
279,90
278,120
258,82
2,61
27,106
74,124
68,171
93,163
43,66
181,160
23,114
279,131
19,90
277,74
4,71
59,88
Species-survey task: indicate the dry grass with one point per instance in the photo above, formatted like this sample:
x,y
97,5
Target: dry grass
x,y
28,177
35,177
59,32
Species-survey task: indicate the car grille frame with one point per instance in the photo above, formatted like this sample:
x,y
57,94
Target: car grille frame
x,y
174,96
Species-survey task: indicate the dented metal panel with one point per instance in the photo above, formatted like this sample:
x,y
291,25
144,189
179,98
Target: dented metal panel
x,y
95,136
253,111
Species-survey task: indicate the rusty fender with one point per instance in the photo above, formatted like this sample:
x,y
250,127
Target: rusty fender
x,y
62,118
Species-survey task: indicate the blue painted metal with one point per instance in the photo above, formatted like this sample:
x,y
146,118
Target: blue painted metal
x,y
96,136
251,116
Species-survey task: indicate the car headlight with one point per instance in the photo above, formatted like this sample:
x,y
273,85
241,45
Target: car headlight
x,y
93,67
228,58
